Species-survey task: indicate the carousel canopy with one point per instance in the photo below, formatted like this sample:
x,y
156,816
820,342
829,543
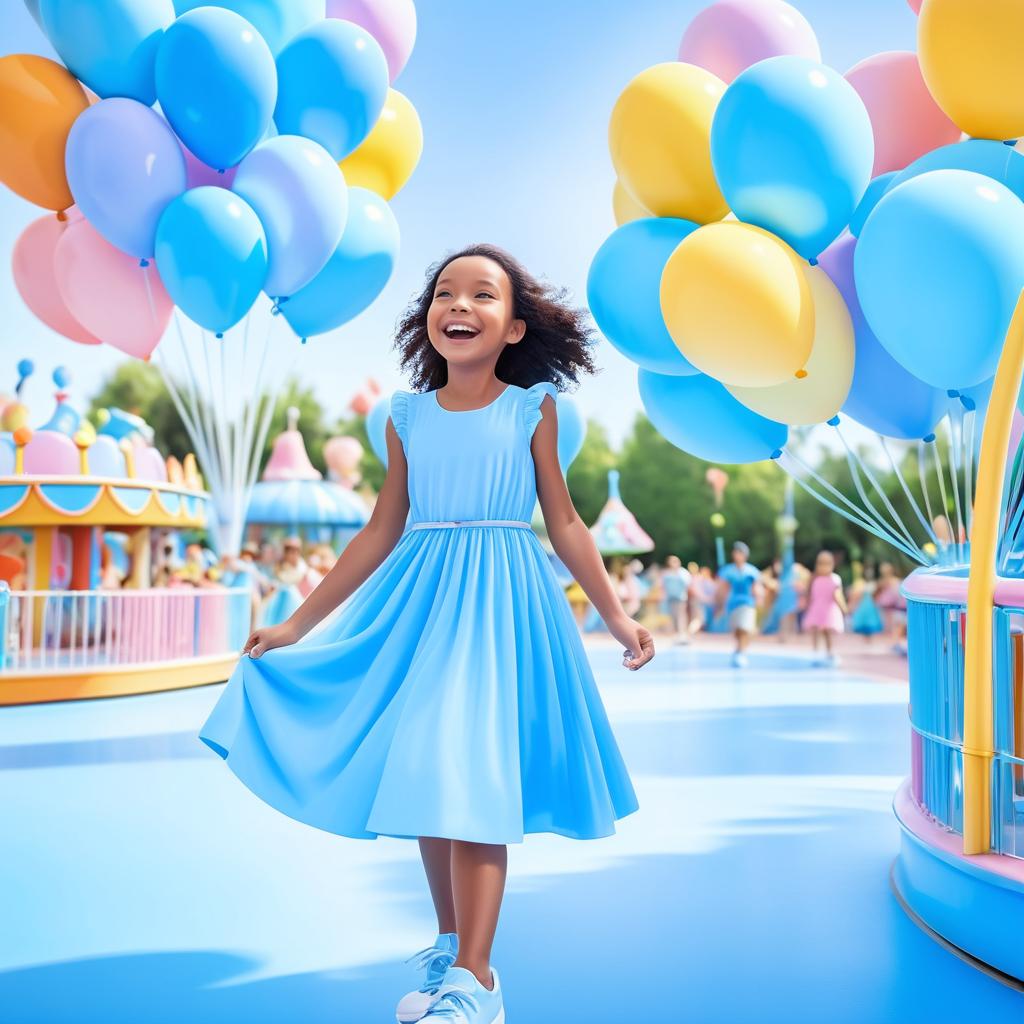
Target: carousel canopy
x,y
616,531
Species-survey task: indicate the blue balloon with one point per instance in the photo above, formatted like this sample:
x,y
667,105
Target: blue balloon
x,y
124,166
883,396
792,150
110,45
217,84
301,197
939,268
874,192
276,20
993,159
212,256
572,431
376,428
356,273
698,415
623,292
332,83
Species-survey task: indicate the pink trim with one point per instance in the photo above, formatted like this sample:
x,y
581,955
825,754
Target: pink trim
x,y
941,585
951,843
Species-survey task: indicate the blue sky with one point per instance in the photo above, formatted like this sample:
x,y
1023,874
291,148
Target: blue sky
x,y
515,100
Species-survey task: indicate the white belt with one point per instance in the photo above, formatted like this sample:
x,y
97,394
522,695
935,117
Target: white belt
x,y
471,522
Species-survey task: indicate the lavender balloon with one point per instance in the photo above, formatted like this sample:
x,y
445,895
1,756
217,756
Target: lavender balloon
x,y
124,166
301,198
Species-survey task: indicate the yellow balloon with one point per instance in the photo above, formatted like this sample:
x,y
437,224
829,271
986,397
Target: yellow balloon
x,y
660,141
39,101
626,208
970,56
820,395
386,158
736,301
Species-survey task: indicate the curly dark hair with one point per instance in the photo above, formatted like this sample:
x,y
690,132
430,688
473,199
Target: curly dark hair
x,y
555,348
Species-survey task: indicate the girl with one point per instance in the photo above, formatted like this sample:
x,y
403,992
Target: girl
x,y
826,605
865,617
451,700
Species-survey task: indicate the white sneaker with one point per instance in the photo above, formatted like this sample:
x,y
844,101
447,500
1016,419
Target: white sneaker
x,y
463,1000
436,959
739,660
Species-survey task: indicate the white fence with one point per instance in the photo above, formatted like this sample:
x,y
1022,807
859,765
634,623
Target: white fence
x,y
70,630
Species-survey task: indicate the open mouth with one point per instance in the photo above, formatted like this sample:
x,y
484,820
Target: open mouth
x,y
460,332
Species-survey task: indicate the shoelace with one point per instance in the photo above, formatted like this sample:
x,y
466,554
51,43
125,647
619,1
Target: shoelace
x,y
426,960
453,1003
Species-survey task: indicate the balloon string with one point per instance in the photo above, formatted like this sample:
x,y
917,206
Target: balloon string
x,y
940,475
955,440
894,465
855,514
149,291
856,517
857,466
1013,509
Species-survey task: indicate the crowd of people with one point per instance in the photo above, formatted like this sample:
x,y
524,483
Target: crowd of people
x,y
782,600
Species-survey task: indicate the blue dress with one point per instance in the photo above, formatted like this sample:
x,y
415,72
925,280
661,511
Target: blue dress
x,y
451,695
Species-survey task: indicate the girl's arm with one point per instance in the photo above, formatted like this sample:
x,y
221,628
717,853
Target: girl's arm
x,y
363,554
840,598
574,545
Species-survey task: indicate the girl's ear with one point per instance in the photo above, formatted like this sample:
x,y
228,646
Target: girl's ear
x,y
516,332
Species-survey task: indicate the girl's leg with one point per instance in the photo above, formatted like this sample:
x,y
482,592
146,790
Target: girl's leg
x,y
815,636
827,634
478,882
437,863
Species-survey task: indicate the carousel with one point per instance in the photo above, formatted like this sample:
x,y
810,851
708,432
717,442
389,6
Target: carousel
x,y
90,518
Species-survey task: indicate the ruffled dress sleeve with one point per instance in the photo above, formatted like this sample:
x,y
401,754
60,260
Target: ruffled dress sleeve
x,y
532,400
400,416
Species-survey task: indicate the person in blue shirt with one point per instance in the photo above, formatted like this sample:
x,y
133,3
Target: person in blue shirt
x,y
676,582
739,591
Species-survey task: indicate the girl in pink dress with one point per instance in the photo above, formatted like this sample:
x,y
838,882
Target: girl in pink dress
x,y
826,606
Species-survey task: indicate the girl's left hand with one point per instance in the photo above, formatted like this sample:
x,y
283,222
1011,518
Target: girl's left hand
x,y
638,642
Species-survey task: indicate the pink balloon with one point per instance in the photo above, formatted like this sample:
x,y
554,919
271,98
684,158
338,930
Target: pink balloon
x,y
391,22
906,121
121,302
32,265
729,36
915,5
342,454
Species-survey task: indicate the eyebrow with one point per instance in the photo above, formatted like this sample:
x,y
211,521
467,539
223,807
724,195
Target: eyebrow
x,y
481,280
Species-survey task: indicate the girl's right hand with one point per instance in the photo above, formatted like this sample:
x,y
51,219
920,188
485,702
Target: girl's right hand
x,y
268,637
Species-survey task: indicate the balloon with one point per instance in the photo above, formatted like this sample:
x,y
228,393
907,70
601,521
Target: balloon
x,y
625,207
197,173
391,22
332,83
736,301
110,45
34,277
699,416
355,274
792,150
217,84
905,120
915,5
884,396
659,141
120,302
212,254
993,159
33,9
623,292
729,36
875,190
818,396
301,199
276,20
124,166
386,158
939,268
39,102
970,58
572,431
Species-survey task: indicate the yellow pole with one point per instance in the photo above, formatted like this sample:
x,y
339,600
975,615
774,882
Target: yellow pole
x,y
43,551
978,733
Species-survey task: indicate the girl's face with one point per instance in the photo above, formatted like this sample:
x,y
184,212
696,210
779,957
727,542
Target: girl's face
x,y
825,563
471,316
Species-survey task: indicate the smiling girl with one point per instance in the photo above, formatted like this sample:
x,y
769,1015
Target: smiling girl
x,y
451,700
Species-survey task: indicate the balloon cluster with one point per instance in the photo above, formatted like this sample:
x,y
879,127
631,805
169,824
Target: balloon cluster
x,y
265,166
794,243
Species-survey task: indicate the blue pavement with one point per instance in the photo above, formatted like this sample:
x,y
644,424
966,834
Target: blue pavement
x,y
142,883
